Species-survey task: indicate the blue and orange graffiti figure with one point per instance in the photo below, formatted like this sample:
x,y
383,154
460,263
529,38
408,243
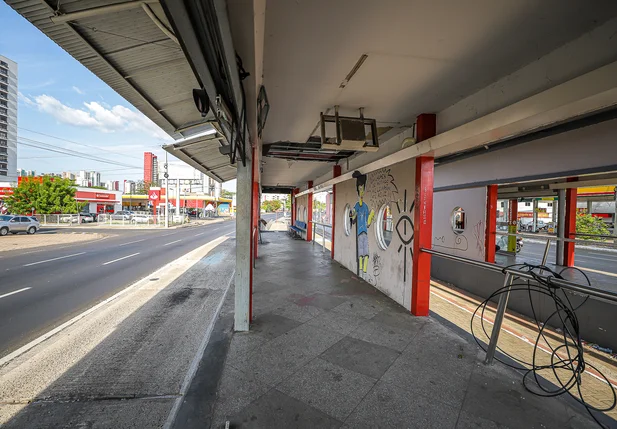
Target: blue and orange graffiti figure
x,y
362,216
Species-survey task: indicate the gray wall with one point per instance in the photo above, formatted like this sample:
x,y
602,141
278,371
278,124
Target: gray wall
x,y
596,317
591,147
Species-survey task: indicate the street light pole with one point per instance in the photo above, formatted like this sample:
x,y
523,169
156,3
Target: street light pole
x,y
166,193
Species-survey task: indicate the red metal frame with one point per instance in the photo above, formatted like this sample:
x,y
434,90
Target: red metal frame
x,y
570,227
336,172
426,126
423,231
490,240
309,214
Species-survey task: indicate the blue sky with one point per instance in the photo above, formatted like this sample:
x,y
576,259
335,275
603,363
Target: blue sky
x,y
61,98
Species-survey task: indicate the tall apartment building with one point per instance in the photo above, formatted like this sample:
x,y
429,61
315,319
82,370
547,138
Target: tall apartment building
x,y
8,120
113,185
151,168
95,178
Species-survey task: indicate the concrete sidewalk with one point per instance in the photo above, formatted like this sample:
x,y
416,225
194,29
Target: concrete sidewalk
x,y
328,350
128,362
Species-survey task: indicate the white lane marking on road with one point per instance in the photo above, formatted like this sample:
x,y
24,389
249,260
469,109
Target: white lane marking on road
x,y
201,233
131,242
596,271
119,259
23,349
592,258
171,242
165,235
54,259
606,254
14,292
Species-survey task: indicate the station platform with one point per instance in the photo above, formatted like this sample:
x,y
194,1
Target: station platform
x,y
327,349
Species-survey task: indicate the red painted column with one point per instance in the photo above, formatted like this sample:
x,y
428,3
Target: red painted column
x,y
309,214
294,207
256,213
336,172
570,226
423,220
491,223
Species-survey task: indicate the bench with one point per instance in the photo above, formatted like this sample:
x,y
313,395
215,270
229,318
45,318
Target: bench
x,y
297,229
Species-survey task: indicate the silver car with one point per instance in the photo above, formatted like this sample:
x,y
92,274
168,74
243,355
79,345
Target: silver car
x,y
15,224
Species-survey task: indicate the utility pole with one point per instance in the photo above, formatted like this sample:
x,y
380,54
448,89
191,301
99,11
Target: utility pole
x,y
166,175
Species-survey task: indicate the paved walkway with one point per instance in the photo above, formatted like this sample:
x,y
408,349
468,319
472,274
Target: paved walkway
x,y
328,350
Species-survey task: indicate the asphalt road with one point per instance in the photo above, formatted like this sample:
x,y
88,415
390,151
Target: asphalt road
x,y
42,289
595,259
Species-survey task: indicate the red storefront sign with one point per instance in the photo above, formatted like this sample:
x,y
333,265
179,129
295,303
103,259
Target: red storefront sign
x,y
95,196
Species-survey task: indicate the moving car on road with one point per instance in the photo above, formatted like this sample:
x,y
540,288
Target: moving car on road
x,y
16,224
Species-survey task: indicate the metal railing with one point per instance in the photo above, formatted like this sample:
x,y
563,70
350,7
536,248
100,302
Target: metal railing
x,y
510,275
109,220
323,233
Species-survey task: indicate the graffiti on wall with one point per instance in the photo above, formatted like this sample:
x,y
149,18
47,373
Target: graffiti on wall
x,y
362,216
460,242
478,233
405,230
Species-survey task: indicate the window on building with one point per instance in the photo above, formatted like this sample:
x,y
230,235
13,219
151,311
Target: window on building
x,y
4,72
4,79
527,204
3,118
4,87
3,166
3,127
550,204
3,111
3,150
2,173
3,103
3,135
4,158
4,143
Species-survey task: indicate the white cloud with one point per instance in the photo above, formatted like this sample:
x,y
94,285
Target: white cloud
x,y
98,116
79,91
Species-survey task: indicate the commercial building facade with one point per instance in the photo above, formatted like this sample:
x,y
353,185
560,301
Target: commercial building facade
x,y
151,168
8,120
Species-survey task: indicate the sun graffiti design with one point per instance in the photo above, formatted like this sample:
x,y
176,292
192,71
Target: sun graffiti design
x,y
405,231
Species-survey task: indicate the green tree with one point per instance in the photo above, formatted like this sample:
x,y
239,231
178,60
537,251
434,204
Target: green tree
x,y
142,187
227,194
271,205
44,197
288,204
588,224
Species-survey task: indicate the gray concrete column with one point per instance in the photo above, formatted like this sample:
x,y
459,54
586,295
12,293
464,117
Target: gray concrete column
x,y
244,188
534,224
554,214
589,207
561,224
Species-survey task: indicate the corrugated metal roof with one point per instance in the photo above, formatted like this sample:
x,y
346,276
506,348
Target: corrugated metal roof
x,y
203,154
128,52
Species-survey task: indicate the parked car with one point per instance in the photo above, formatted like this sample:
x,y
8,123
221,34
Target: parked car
x,y
121,215
69,219
87,217
17,224
140,218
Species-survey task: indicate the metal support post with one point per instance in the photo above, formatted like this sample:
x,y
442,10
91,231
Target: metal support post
x,y
615,215
177,212
534,225
323,238
166,192
242,296
589,207
561,224
501,311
